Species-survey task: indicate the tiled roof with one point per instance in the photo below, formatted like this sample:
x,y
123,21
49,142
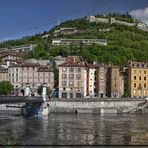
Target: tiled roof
x,y
91,65
73,61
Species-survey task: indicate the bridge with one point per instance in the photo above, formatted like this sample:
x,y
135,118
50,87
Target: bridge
x,y
25,105
27,98
19,99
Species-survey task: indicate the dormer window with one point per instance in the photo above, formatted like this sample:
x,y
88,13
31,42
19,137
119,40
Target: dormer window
x,y
140,65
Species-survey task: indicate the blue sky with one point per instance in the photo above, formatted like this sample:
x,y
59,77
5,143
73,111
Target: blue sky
x,y
19,18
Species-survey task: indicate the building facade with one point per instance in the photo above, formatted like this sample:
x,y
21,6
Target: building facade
x,y
101,80
114,82
79,41
138,79
30,74
91,80
72,78
3,74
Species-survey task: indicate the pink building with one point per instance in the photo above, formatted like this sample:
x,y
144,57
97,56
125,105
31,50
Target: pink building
x,y
32,74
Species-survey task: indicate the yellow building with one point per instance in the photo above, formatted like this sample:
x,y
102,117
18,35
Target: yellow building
x,y
138,79
3,75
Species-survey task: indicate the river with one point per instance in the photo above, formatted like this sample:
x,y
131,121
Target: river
x,y
75,129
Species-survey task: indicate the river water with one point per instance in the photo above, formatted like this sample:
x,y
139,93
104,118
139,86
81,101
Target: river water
x,y
75,129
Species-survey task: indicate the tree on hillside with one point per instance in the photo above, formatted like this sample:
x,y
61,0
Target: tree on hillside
x,y
6,88
56,77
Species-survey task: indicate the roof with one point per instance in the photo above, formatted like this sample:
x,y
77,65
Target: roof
x,y
91,65
73,61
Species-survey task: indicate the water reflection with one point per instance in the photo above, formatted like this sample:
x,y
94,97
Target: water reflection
x,y
80,129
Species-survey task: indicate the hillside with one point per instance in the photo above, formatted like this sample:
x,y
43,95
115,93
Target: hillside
x,y
124,42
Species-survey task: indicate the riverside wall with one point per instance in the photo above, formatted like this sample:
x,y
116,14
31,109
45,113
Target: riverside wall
x,y
92,105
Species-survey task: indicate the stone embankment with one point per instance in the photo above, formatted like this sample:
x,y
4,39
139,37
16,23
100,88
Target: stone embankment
x,y
98,105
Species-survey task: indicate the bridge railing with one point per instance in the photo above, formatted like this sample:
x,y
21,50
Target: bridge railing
x,y
19,99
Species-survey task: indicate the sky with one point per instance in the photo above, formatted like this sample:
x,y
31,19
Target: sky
x,y
19,18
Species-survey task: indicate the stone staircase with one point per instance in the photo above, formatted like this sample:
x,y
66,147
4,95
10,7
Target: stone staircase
x,y
134,108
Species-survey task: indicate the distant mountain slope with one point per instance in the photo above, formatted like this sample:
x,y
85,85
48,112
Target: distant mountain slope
x,y
124,42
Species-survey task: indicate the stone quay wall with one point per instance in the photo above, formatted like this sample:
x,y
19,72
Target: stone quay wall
x,y
91,105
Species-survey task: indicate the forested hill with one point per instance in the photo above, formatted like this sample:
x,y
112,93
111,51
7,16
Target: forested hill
x,y
124,42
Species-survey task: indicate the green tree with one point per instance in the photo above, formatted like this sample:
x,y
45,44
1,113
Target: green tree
x,y
125,95
40,88
5,88
56,77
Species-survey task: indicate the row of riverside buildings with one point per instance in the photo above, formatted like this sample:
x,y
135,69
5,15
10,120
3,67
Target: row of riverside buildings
x,y
77,78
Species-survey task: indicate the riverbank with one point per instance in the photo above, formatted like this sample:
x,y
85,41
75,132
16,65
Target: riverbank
x,y
128,105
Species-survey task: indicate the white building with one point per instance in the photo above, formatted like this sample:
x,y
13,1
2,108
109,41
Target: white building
x,y
78,41
92,81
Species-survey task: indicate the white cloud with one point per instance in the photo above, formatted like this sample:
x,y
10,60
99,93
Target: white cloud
x,y
140,14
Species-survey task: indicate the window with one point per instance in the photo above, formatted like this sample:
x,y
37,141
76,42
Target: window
x,y
64,95
134,85
71,69
144,85
144,78
102,83
16,69
145,72
140,65
78,76
139,71
78,69
134,77
78,95
64,69
71,83
140,78
78,83
64,83
134,92
64,76
71,76
135,65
